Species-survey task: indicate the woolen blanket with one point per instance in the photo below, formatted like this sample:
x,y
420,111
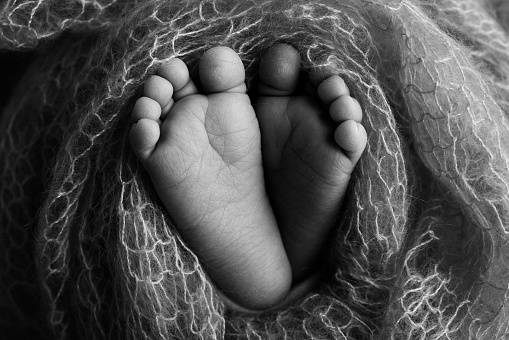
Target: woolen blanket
x,y
420,251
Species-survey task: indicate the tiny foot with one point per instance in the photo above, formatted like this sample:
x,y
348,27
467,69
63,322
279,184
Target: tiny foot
x,y
203,155
308,153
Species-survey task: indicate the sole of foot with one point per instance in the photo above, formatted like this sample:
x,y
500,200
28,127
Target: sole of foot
x,y
312,138
203,154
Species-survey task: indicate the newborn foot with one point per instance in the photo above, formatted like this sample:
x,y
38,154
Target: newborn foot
x,y
203,154
309,152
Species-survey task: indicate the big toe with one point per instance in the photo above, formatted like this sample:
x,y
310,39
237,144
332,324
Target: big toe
x,y
221,70
279,71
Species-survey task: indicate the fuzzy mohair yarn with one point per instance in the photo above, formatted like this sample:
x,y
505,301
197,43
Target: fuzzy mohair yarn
x,y
420,251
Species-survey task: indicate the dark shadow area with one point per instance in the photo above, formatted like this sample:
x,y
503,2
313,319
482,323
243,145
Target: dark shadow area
x,y
12,67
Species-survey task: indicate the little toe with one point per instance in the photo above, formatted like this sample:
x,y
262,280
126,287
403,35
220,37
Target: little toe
x,y
160,90
222,70
144,136
345,108
177,73
352,139
146,107
279,71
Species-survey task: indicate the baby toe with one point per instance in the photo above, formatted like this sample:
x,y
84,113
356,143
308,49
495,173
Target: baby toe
x,y
222,70
332,88
177,73
279,71
352,138
146,107
160,90
144,136
345,108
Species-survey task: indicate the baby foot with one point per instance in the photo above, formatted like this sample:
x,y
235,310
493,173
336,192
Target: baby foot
x,y
203,155
308,154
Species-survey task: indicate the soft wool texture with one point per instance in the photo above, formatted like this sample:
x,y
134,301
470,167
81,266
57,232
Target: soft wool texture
x,y
421,249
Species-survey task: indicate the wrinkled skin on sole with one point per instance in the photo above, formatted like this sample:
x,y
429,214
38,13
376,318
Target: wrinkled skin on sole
x,y
421,253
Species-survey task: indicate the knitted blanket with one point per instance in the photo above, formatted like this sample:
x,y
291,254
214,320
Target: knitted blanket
x,y
87,250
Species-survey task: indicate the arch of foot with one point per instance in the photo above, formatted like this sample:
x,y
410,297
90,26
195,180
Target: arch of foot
x,y
428,199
